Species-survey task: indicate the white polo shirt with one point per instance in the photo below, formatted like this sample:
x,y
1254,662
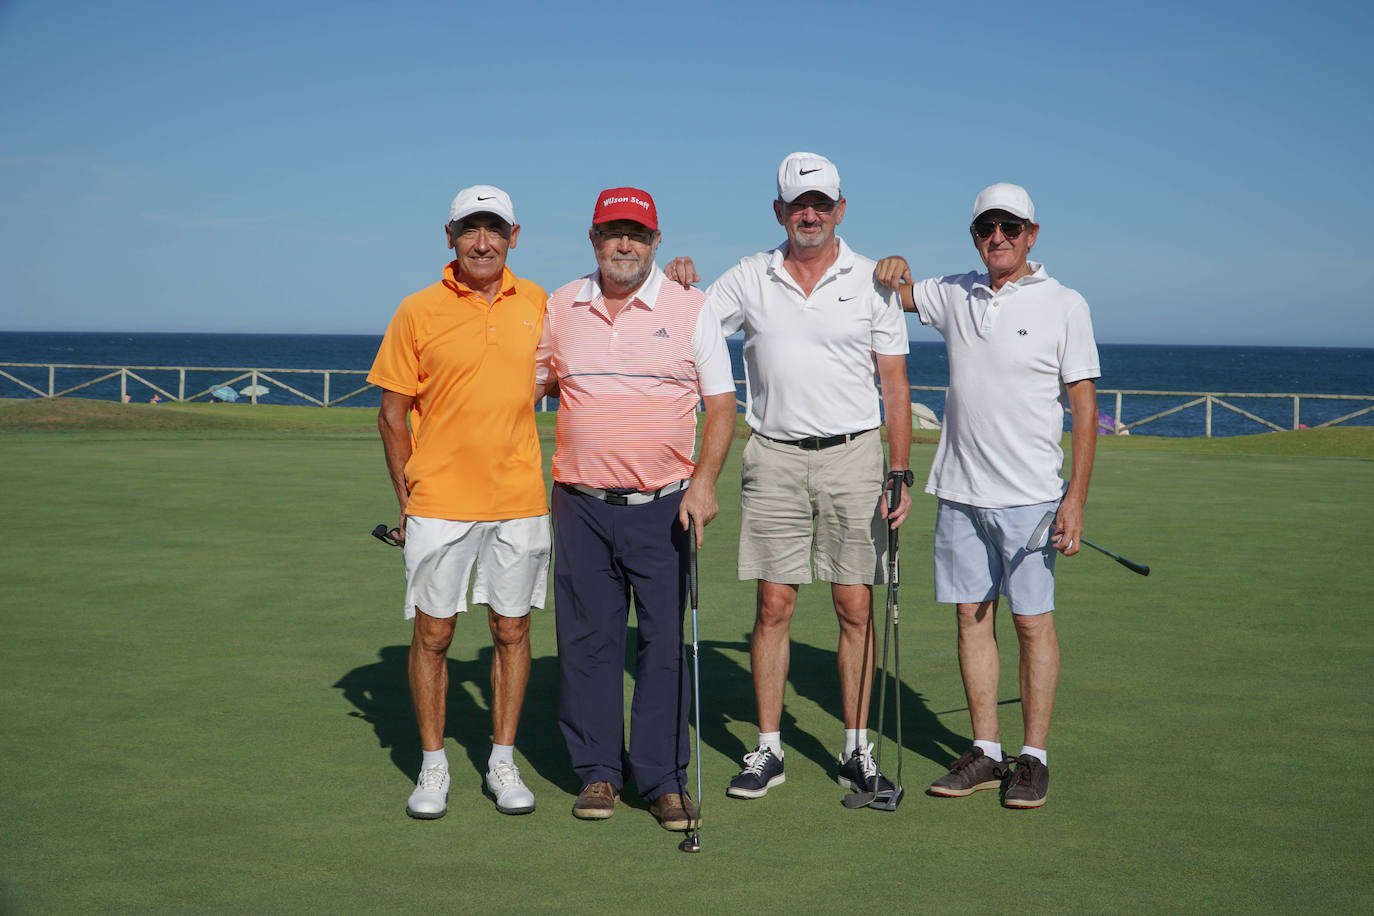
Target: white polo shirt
x,y
1010,354
808,360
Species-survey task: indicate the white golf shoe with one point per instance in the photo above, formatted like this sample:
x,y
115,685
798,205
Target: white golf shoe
x,y
512,797
430,798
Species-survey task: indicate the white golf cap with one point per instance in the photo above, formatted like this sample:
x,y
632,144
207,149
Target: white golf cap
x,y
482,198
802,172
1002,196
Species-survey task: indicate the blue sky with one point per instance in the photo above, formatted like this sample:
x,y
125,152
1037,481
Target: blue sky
x,y
287,167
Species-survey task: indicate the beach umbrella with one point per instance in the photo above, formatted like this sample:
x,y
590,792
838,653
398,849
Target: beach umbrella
x,y
254,391
225,394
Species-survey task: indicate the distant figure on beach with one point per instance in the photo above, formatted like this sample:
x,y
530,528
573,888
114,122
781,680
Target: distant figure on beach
x,y
629,354
155,399
1021,348
812,476
458,361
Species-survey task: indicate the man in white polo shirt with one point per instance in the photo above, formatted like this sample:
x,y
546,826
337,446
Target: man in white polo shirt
x,y
815,326
629,355
1021,347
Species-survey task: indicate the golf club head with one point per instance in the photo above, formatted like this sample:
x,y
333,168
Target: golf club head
x,y
1037,539
888,801
690,843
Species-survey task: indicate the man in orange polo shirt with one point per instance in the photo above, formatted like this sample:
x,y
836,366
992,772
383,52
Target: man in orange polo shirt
x,y
458,362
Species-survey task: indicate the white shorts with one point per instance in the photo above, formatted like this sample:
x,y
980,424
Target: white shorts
x,y
980,553
512,558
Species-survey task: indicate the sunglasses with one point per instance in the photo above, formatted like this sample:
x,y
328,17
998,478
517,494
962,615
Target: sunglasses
x,y
820,206
390,536
1011,228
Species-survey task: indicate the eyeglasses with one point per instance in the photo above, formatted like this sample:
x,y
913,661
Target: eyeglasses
x,y
641,236
820,206
1011,228
387,536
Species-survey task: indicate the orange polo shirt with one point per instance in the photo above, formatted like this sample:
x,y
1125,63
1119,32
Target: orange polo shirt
x,y
469,364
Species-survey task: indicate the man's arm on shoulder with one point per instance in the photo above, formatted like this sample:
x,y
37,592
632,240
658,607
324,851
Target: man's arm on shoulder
x,y
894,273
699,502
1068,524
391,423
682,270
897,419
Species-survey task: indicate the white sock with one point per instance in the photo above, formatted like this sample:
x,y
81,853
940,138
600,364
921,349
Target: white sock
x,y
1039,753
501,753
772,741
855,739
990,749
434,759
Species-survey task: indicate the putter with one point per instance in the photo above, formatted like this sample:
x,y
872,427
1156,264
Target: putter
x,y
692,841
1037,541
890,799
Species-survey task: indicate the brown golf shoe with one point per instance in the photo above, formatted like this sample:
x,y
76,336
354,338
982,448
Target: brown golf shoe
x,y
675,812
1030,783
973,771
596,801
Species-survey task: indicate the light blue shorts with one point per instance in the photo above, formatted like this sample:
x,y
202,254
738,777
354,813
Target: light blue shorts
x,y
981,553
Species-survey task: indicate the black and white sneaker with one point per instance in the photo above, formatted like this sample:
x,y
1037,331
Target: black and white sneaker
x,y
762,771
859,773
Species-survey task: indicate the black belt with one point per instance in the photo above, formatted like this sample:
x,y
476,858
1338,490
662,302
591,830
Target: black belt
x,y
814,443
631,498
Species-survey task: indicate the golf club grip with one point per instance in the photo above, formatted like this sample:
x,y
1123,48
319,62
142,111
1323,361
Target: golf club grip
x,y
895,479
692,560
1139,568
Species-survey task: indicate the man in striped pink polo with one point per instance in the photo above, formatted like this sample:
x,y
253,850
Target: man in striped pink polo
x,y
629,355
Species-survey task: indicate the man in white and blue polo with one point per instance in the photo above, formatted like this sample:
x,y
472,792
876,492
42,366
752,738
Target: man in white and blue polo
x,y
1021,349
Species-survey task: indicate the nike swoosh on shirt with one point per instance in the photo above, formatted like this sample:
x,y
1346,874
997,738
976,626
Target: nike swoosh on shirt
x,y
845,298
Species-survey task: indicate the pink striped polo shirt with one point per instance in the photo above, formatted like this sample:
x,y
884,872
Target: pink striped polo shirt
x,y
629,385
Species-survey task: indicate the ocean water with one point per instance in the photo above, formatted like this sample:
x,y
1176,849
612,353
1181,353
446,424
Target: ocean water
x,y
1214,369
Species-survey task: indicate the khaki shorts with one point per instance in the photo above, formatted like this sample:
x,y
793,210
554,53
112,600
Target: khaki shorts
x,y
794,499
512,560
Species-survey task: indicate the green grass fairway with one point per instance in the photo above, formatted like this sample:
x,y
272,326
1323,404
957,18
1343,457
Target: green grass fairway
x,y
205,707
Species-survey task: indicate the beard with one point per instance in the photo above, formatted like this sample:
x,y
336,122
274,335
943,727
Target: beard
x,y
820,240
627,275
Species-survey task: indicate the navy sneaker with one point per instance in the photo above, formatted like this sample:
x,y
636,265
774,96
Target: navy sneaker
x,y
762,771
859,773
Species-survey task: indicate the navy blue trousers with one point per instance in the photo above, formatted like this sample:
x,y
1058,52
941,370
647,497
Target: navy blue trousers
x,y
604,557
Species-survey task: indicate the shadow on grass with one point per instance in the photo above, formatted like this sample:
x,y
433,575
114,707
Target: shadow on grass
x,y
728,696
380,691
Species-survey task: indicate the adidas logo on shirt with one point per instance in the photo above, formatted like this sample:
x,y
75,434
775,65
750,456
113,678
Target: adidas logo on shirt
x,y
661,332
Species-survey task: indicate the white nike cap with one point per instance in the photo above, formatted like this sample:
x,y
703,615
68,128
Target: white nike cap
x,y
1002,196
802,172
482,198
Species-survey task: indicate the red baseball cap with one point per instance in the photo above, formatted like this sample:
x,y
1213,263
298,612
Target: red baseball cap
x,y
625,203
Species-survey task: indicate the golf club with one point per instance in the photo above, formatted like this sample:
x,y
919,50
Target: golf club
x,y
1037,541
888,800
692,842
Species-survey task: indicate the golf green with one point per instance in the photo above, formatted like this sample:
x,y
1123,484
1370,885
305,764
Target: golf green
x,y
206,709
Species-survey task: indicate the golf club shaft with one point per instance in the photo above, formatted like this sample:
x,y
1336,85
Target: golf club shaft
x,y
1134,567
692,581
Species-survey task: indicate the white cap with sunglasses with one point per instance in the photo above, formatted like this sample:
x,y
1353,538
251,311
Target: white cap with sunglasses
x,y
802,172
1002,196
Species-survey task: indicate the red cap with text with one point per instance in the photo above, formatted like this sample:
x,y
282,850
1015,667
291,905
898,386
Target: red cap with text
x,y
625,203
